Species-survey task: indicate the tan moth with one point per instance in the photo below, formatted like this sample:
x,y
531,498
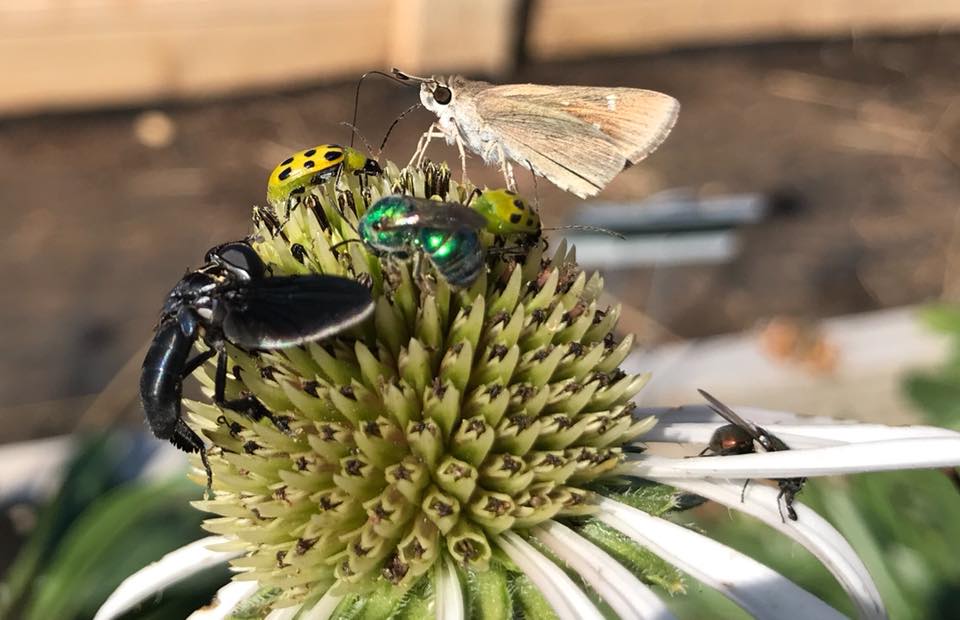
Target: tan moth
x,y
577,137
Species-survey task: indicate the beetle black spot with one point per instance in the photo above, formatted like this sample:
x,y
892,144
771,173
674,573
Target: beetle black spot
x,y
310,153
309,164
285,173
529,221
519,204
515,218
287,161
298,190
332,155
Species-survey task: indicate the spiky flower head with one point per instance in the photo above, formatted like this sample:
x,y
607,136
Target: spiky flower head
x,y
449,419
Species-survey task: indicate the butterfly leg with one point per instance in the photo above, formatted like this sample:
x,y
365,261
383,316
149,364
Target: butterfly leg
x,y
422,145
463,159
507,169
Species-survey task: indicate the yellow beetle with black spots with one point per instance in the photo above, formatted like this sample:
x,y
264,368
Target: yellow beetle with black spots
x,y
506,212
314,166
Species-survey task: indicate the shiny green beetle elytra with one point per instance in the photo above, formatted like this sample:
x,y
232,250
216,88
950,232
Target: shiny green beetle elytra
x,y
314,166
505,212
446,233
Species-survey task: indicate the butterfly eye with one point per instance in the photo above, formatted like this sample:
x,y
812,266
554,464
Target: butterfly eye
x,y
442,95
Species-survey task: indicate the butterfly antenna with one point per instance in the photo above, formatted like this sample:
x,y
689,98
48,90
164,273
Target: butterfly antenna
x,y
356,95
605,231
394,124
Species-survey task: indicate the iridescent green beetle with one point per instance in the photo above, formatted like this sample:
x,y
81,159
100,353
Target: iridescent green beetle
x,y
447,233
314,166
505,212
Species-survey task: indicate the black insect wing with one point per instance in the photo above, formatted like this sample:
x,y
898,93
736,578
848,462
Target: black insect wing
x,y
285,311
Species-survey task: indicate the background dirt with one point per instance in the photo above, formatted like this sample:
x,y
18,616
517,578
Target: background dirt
x,y
97,226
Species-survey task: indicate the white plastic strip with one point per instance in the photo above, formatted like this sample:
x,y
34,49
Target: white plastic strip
x,y
226,600
830,461
567,599
449,604
624,593
810,530
170,569
761,591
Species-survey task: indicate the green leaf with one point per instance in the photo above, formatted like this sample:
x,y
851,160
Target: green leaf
x,y
939,397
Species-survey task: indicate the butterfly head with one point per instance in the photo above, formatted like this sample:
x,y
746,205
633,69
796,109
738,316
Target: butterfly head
x,y
436,93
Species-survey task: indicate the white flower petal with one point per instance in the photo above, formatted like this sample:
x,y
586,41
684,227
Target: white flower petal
x,y
703,413
171,568
624,593
449,604
567,599
324,608
810,530
828,461
761,591
798,436
226,600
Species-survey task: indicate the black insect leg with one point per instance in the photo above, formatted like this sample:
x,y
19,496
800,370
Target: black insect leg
x,y
183,437
247,405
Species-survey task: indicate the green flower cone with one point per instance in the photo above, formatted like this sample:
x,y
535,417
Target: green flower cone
x,y
419,437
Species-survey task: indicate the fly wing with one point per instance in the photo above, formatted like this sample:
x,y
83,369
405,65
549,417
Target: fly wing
x,y
443,216
730,416
285,311
573,154
586,135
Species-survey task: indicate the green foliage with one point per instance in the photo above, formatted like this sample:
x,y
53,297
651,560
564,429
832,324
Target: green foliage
x,y
95,532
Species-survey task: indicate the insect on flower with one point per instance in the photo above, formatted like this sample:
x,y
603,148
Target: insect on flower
x,y
505,211
313,166
447,233
739,436
578,137
231,299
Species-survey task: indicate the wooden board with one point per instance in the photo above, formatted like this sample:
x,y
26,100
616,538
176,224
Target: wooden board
x,y
567,28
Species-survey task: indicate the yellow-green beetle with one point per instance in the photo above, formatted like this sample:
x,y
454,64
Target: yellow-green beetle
x,y
506,212
314,166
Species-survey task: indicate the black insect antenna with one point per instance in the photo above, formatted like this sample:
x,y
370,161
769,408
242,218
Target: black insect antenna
x,y
356,97
344,242
394,124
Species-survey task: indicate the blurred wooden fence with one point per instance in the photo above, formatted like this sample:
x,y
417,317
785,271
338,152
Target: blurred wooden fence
x,y
82,53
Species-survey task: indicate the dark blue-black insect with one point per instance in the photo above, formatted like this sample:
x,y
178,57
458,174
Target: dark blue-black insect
x,y
233,299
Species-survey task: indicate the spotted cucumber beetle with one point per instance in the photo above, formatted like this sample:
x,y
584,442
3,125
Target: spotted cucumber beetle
x,y
505,212
314,166
446,233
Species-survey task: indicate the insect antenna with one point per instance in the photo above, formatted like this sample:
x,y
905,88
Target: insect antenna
x,y
584,227
356,95
356,132
394,124
345,241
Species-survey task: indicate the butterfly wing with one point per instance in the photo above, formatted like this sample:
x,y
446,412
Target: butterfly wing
x,y
577,137
285,311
